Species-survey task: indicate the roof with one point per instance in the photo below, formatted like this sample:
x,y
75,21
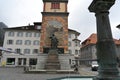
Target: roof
x,y
92,39
2,25
74,31
32,27
37,23
117,42
118,26
76,40
29,27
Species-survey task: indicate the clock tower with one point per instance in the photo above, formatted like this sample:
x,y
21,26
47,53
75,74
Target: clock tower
x,y
54,21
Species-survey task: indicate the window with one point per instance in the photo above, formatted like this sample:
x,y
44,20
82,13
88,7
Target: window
x,y
27,42
22,61
55,5
76,52
19,42
38,27
32,61
28,34
36,42
36,34
19,34
10,42
77,43
18,50
35,51
11,34
69,43
27,51
10,61
70,52
69,35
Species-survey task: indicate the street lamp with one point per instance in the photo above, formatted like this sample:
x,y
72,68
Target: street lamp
x,y
106,52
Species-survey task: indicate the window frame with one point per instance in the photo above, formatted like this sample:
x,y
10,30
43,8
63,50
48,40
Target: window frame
x,y
26,51
36,42
27,42
11,33
55,5
18,50
36,34
10,42
28,34
35,51
18,42
19,34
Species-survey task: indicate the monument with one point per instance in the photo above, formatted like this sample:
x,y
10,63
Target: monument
x,y
54,56
54,42
106,52
52,62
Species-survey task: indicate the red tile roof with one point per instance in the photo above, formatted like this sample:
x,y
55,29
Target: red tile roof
x,y
92,39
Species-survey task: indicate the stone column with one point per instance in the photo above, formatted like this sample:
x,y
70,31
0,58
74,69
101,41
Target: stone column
x,y
106,52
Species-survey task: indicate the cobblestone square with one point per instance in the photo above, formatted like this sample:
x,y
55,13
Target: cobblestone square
x,y
18,74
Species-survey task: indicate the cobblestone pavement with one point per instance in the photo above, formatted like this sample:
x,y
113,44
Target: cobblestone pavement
x,y
86,71
18,74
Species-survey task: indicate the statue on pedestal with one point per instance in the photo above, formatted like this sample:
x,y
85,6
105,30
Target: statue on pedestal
x,y
54,41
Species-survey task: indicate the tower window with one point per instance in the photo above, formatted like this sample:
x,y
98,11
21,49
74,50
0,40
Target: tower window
x,y
55,5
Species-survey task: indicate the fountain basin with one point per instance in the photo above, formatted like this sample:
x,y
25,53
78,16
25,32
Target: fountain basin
x,y
74,78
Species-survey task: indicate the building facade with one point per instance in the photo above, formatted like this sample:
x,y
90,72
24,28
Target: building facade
x,y
31,43
88,49
73,42
25,41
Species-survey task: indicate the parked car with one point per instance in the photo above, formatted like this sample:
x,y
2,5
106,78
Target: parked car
x,y
94,66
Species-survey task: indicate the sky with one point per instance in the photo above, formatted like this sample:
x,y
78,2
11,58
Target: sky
x,y
15,13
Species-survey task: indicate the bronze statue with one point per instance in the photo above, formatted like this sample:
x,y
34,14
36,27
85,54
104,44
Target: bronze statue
x,y
54,41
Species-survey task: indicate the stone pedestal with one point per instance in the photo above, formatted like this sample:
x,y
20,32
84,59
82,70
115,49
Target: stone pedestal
x,y
52,62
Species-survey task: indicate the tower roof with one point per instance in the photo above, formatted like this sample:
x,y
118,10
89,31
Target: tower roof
x,y
55,0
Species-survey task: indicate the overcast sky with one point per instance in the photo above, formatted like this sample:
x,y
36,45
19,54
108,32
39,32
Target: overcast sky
x,y
22,12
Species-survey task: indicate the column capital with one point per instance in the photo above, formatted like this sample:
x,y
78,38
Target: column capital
x,y
101,5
